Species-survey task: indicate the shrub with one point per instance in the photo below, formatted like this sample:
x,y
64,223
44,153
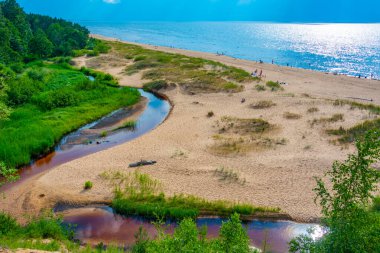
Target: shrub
x,y
36,74
263,104
57,98
88,185
233,237
312,110
155,85
21,90
210,114
260,87
7,224
290,115
274,86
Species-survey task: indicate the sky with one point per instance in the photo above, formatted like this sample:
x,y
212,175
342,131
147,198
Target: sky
x,y
297,11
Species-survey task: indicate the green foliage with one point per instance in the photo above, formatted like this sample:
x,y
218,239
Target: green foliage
x,y
57,98
355,132
233,237
7,224
88,185
188,238
7,174
346,207
131,125
274,86
40,45
138,194
43,111
29,36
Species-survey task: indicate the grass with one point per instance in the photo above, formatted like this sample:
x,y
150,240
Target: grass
x,y
263,104
229,175
274,86
243,126
32,129
333,119
88,185
313,110
356,132
260,87
138,194
130,125
194,75
155,85
103,134
292,116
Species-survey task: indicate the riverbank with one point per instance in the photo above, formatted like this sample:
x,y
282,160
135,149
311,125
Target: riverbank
x,y
195,156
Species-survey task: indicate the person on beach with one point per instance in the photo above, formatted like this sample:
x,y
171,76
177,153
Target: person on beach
x,y
261,73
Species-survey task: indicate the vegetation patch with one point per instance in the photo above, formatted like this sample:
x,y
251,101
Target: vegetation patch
x,y
335,118
356,132
155,85
139,194
260,87
229,175
243,126
313,110
130,125
46,108
291,115
193,75
263,104
274,86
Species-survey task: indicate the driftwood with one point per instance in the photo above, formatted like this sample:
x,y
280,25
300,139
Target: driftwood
x,y
141,163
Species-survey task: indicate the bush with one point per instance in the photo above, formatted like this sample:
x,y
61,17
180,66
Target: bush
x,y
88,185
21,90
7,224
36,74
210,114
274,86
57,98
259,87
263,104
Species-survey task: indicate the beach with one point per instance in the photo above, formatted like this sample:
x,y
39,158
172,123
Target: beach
x,y
185,145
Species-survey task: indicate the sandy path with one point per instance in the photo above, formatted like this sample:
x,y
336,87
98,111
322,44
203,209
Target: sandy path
x,y
281,176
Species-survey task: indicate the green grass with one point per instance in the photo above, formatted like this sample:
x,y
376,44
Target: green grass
x,y
192,74
356,132
88,185
131,125
274,86
155,85
138,194
37,124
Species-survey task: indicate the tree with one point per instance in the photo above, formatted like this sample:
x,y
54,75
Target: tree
x,y
346,205
40,45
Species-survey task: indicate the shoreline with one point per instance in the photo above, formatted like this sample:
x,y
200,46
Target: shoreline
x,y
209,54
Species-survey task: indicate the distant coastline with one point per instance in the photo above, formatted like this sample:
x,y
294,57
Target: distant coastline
x,y
348,49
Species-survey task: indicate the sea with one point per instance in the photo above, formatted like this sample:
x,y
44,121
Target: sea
x,y
349,49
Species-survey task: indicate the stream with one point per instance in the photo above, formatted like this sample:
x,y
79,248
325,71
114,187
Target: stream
x,y
100,224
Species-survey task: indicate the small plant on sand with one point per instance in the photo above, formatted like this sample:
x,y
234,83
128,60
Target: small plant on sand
x,y
88,185
274,86
290,115
335,118
313,110
229,175
103,134
210,114
260,87
263,104
130,125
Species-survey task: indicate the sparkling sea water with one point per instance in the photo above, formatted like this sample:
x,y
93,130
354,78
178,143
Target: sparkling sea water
x,y
350,49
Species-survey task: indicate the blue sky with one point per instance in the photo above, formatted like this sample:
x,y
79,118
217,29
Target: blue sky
x,y
356,11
